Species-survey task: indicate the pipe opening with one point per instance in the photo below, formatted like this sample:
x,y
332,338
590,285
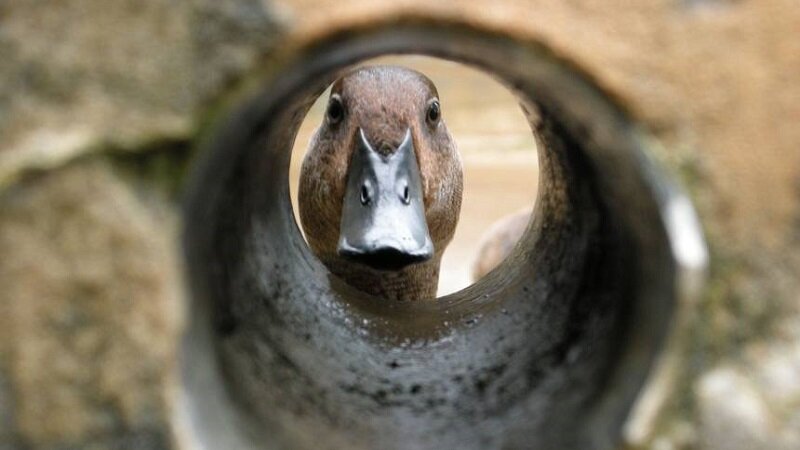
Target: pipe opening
x,y
548,351
495,151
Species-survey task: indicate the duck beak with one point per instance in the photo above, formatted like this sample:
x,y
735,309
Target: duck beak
x,y
383,215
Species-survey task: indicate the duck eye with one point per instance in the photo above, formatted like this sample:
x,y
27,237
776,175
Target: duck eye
x,y
434,112
335,111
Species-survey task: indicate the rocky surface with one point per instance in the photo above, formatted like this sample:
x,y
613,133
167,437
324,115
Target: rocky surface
x,y
751,407
89,312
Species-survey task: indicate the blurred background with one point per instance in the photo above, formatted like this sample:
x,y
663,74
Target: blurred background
x,y
497,149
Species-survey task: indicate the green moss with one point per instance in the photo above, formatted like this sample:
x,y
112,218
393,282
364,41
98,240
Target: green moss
x,y
742,303
162,165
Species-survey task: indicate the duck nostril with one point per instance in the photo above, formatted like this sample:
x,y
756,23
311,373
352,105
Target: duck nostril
x,y
406,199
365,199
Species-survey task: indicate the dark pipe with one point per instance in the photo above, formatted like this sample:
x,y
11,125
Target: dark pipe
x,y
548,352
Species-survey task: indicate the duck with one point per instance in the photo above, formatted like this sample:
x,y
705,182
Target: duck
x,y
499,240
381,183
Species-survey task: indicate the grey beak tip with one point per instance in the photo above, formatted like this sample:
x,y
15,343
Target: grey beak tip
x,y
385,258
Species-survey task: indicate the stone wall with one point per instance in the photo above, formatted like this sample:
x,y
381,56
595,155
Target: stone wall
x,y
102,106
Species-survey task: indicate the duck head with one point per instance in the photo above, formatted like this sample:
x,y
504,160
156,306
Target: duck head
x,y
380,187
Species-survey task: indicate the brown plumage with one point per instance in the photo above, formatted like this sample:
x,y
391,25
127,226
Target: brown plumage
x,y
498,242
384,101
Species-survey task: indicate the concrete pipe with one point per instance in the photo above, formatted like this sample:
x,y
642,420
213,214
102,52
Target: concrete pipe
x,y
550,351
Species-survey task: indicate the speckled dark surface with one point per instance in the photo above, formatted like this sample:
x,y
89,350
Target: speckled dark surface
x,y
548,352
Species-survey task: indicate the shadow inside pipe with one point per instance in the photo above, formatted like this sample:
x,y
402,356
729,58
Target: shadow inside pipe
x,y
548,351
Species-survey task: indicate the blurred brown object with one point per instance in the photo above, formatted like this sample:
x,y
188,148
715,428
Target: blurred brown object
x,y
499,241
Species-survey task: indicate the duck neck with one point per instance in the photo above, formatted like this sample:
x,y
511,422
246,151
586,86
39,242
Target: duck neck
x,y
415,282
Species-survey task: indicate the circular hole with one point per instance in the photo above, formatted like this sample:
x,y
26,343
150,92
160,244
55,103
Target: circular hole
x,y
497,152
548,351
